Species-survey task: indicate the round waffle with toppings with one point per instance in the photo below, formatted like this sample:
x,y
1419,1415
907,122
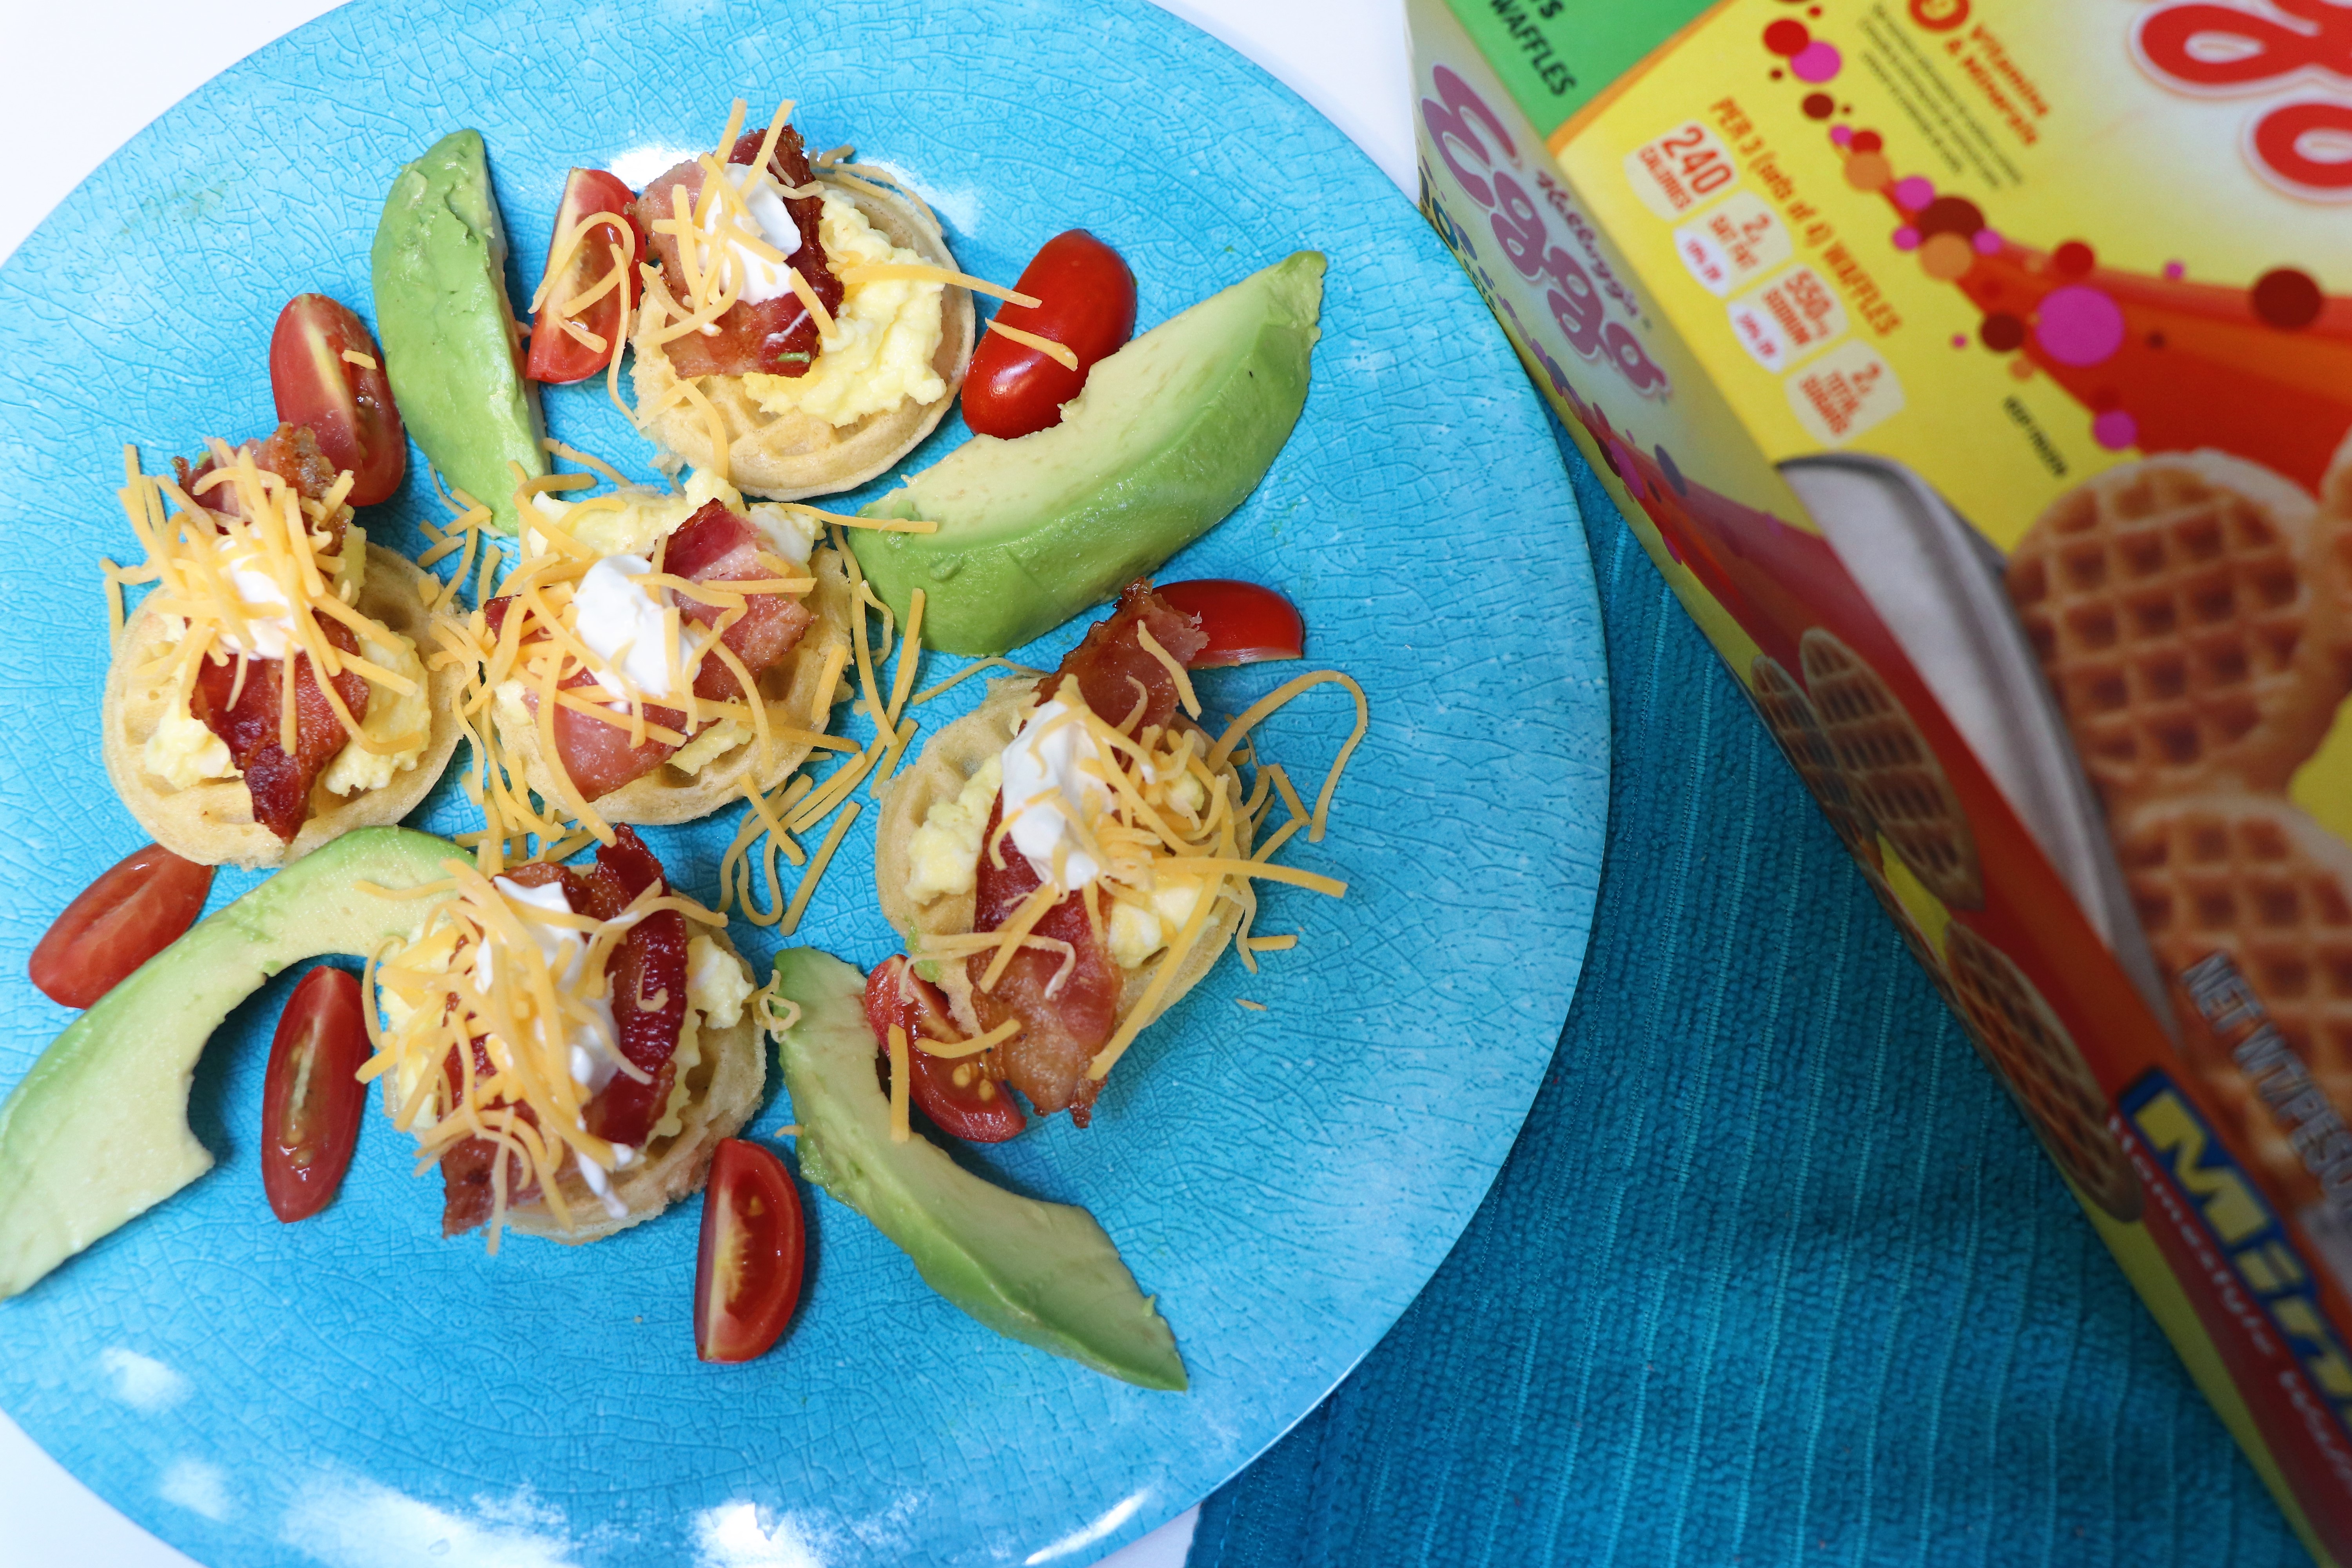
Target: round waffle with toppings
x,y
1895,776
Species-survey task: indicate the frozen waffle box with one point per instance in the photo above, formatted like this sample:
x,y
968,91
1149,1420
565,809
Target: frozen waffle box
x,y
1980,375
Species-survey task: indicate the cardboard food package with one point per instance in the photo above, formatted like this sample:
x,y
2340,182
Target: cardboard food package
x,y
1980,375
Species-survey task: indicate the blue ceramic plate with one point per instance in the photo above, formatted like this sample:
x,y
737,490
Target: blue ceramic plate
x,y
354,1391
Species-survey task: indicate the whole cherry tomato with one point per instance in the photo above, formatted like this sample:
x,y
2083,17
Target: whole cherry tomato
x,y
1085,302
952,1091
327,372
120,922
1245,624
312,1099
556,356
747,1275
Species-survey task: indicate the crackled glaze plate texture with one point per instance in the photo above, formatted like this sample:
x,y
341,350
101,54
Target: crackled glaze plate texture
x,y
354,1391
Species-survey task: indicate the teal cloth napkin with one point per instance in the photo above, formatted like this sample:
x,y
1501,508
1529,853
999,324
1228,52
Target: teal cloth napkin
x,y
1775,1274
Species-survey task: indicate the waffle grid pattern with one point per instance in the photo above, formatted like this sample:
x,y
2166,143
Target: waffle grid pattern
x,y
2167,603
2024,1042
1895,776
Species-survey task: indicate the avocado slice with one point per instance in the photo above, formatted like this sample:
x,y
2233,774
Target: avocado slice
x,y
1041,1273
1171,433
451,345
97,1132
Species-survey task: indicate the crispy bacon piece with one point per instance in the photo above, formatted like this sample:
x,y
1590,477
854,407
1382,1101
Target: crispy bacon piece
x,y
1112,664
291,452
1061,1031
777,336
648,979
279,783
649,965
716,546
713,545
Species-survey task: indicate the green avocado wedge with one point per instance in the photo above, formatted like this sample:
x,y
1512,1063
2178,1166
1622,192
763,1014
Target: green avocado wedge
x,y
1170,434
451,345
97,1132
1041,1273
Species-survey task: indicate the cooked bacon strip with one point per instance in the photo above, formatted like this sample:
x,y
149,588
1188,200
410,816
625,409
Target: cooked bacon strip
x,y
650,962
279,784
716,546
777,336
291,452
1112,662
649,967
1061,1032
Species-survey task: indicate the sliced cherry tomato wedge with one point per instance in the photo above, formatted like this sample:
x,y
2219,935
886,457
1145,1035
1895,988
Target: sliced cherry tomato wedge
x,y
954,1093
747,1276
120,922
1245,624
1085,302
312,1099
346,402
557,356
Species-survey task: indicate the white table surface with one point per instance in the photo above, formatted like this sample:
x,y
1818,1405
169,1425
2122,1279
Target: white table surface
x,y
108,67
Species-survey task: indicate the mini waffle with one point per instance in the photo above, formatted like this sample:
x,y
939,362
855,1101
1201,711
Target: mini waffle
x,y
1896,782
2169,602
2329,655
2022,1040
1789,714
2258,879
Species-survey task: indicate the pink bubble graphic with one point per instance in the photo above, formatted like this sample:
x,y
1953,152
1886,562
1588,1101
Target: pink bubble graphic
x,y
1842,134
1906,238
1913,194
2175,270
1959,340
1816,62
2115,429
1987,242
2079,325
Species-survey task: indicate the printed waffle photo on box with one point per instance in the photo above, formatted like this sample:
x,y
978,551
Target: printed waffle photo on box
x,y
1980,375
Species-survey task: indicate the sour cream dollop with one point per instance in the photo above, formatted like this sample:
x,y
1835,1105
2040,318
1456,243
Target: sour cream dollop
x,y
762,280
624,625
1046,789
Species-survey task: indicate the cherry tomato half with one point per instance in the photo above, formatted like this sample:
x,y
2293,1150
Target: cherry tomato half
x,y
1245,624
346,403
1085,303
971,1107
747,1276
120,922
556,356
312,1101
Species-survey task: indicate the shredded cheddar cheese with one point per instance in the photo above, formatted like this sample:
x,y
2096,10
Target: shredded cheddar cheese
x,y
1059,353
244,570
495,1020
1158,824
534,659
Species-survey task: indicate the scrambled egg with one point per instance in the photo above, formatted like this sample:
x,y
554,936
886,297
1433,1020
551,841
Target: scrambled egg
x,y
184,753
945,850
717,985
879,353
629,522
944,855
1135,934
